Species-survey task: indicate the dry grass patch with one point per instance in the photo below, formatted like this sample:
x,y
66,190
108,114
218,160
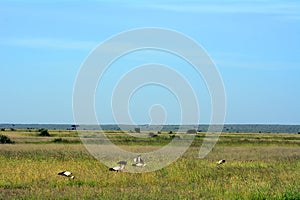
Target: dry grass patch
x,y
252,171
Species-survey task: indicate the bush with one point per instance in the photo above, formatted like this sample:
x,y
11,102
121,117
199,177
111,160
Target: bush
x,y
177,137
74,126
137,130
152,134
57,140
5,140
191,131
44,132
60,140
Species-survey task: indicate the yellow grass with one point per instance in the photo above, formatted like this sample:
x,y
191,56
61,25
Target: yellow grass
x,y
253,170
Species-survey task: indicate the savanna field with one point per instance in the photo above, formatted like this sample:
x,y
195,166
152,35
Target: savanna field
x,y
258,166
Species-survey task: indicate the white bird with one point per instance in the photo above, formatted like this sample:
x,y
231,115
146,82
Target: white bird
x,y
139,162
221,162
66,174
121,166
138,159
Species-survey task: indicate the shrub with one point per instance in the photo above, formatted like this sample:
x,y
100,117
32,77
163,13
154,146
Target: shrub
x,y
137,130
5,140
177,137
44,132
58,140
191,131
152,134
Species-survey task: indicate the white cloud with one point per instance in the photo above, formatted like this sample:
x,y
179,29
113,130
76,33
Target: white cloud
x,y
289,9
237,60
255,65
49,43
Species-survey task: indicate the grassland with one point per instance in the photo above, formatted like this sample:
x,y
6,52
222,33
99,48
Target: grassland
x,y
258,166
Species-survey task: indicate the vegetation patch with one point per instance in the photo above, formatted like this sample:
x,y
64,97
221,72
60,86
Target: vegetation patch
x,y
66,141
258,166
5,140
44,132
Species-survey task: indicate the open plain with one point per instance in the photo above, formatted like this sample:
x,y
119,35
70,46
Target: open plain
x,y
258,166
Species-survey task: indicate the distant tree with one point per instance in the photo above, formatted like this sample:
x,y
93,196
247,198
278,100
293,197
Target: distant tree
x,y
137,130
2,129
170,132
191,131
43,132
74,126
5,140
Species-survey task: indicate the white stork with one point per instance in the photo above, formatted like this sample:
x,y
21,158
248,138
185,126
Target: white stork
x,y
138,162
66,174
121,166
221,162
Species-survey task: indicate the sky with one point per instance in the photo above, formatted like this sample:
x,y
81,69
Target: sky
x,y
255,46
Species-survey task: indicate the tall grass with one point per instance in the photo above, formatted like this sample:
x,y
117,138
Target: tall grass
x,y
252,171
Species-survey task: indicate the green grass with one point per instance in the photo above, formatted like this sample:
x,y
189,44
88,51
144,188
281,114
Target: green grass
x,y
258,166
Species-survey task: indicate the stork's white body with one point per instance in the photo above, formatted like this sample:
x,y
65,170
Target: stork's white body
x,y
139,162
221,162
118,168
66,174
121,167
138,159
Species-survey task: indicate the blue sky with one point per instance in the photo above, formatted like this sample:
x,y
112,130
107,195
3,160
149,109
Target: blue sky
x,y
254,44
